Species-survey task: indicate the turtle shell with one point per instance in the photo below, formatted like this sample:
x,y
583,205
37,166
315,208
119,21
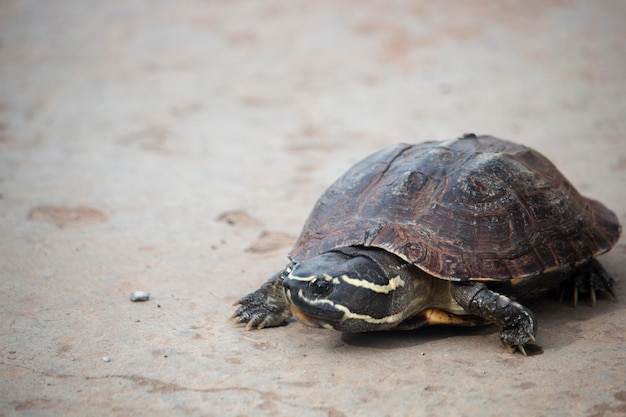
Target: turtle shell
x,y
473,208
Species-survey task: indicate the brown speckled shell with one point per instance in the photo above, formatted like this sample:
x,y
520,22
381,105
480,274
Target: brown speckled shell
x,y
474,208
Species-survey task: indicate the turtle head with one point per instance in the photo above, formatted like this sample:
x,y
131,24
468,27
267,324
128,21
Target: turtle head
x,y
351,290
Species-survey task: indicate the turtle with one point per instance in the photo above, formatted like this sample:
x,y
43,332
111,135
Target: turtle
x,y
456,232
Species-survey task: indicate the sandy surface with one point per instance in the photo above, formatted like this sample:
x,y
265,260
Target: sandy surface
x,y
178,149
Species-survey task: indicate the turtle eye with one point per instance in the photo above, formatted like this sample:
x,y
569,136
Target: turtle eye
x,y
320,287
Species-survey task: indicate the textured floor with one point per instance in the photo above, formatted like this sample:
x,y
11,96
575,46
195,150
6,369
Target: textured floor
x,y
177,148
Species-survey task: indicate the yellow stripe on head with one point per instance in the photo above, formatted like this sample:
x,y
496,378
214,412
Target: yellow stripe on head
x,y
383,289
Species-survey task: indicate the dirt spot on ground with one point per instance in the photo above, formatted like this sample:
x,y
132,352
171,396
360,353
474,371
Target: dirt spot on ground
x,y
271,241
264,346
398,41
187,109
239,218
620,165
152,138
526,385
617,407
35,404
233,360
243,38
67,216
310,138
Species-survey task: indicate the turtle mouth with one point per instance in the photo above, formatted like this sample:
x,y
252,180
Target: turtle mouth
x,y
308,319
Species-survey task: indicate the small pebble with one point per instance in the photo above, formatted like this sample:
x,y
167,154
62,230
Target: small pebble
x,y
139,296
106,358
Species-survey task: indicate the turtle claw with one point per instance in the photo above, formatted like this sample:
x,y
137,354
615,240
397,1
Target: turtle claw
x,y
517,345
590,278
246,321
238,319
515,348
519,328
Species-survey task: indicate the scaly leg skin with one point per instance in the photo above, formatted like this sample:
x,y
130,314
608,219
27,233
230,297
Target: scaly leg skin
x,y
265,307
517,324
590,278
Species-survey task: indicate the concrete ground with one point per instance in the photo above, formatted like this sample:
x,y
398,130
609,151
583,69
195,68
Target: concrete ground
x,y
177,148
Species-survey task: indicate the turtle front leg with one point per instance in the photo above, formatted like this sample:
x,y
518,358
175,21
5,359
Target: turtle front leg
x,y
265,307
517,323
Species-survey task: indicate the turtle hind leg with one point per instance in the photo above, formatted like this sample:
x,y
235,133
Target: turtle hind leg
x,y
589,278
265,307
517,323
